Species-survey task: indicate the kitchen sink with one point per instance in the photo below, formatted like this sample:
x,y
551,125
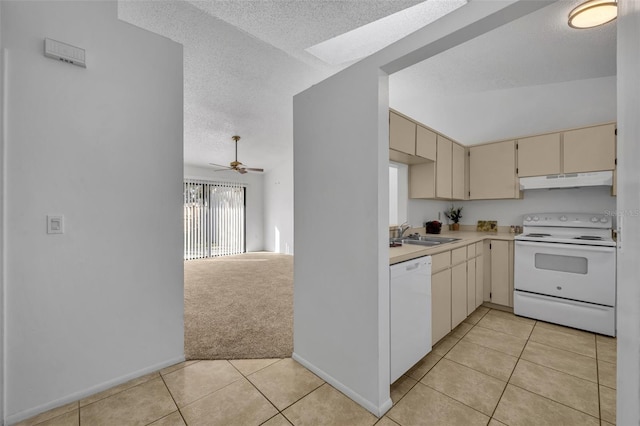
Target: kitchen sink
x,y
423,240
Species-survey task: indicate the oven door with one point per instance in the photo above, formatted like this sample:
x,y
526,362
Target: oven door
x,y
570,271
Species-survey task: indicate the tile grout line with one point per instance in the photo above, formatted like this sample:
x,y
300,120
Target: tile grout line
x,y
560,371
174,401
459,402
595,338
441,358
437,362
547,398
302,397
514,369
553,400
259,391
294,402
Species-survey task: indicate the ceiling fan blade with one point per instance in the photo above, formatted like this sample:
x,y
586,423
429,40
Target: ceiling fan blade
x,y
251,169
220,165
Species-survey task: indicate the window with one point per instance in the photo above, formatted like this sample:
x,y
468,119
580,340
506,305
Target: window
x,y
214,219
398,193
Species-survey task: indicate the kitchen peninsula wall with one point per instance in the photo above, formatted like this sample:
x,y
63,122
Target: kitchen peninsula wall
x,y
509,212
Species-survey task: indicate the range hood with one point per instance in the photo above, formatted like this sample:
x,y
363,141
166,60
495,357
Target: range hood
x,y
568,180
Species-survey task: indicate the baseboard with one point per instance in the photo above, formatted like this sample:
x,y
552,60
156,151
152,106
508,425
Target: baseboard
x,y
374,409
23,415
497,307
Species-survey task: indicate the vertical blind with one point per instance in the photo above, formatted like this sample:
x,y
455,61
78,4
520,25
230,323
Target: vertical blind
x,y
214,219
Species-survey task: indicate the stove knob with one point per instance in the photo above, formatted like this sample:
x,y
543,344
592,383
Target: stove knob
x,y
536,218
594,219
604,220
527,219
563,218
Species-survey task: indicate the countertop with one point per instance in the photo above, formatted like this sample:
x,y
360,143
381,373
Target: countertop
x,y
412,251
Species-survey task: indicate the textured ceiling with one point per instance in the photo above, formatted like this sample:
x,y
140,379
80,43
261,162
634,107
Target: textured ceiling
x,y
245,59
294,25
539,48
243,63
533,55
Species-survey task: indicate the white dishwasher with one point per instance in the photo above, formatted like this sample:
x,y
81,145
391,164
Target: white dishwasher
x,y
410,314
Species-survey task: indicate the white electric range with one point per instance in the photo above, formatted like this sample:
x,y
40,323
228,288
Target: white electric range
x,y
565,271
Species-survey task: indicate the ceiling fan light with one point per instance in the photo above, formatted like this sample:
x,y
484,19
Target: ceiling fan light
x,y
593,13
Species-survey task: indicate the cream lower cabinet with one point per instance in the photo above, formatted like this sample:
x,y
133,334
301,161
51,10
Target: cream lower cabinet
x,y
501,272
475,279
458,294
456,287
471,286
440,304
479,274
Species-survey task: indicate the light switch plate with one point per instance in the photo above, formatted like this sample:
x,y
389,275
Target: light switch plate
x,y
55,224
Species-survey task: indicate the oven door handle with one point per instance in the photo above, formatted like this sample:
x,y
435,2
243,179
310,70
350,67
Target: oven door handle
x,y
580,247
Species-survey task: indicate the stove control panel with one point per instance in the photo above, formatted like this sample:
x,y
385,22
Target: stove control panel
x,y
574,220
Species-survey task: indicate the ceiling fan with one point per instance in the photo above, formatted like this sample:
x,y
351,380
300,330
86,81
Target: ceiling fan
x,y
236,165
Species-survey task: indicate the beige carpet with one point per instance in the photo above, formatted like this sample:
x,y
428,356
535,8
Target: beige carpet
x,y
239,307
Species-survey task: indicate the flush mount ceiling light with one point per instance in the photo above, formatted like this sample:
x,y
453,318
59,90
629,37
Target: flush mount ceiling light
x,y
593,13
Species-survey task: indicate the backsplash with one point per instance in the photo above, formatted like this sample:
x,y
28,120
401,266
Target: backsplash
x,y
510,212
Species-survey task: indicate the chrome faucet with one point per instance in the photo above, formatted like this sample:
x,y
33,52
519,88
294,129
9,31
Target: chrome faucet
x,y
404,228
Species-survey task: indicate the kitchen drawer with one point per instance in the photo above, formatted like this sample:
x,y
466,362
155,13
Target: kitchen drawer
x,y
458,255
440,261
479,248
471,251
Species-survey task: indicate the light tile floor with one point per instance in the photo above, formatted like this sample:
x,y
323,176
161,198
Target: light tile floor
x,y
494,368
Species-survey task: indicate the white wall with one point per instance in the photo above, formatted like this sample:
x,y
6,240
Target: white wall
x,y
341,137
421,211
502,114
510,212
2,224
102,302
278,208
628,318
336,310
253,197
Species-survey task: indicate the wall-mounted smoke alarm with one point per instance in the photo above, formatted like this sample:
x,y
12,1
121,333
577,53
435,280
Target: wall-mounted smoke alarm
x,y
64,52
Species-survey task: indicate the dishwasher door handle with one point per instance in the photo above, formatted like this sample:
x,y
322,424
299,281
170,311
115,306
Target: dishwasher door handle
x,y
413,266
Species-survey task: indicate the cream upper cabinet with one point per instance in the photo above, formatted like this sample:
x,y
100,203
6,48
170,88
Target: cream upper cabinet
x,y
539,155
402,134
590,149
492,171
422,180
457,172
502,272
443,168
426,143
